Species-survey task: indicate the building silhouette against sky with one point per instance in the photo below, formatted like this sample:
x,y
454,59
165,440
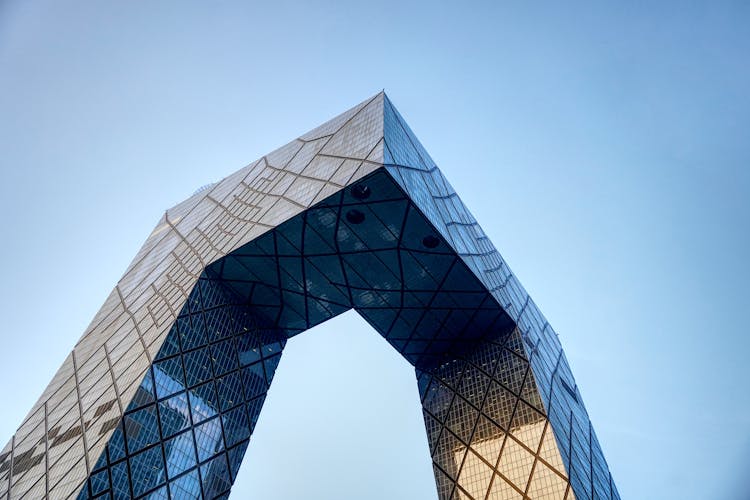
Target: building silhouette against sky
x,y
160,395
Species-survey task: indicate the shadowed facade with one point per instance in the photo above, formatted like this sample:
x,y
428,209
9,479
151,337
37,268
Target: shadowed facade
x,y
160,396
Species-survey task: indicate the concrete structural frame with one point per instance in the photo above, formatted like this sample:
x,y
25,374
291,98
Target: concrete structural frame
x,y
159,397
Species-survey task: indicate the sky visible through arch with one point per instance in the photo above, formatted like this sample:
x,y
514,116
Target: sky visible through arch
x,y
603,148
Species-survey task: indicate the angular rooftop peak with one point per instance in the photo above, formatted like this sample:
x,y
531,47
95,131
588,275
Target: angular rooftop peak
x,y
372,107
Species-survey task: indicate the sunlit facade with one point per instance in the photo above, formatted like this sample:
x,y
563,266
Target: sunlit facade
x,y
160,396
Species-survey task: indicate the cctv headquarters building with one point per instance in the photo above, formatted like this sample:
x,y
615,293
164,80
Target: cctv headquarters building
x,y
160,395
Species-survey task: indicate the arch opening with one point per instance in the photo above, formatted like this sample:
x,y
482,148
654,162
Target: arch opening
x,y
189,424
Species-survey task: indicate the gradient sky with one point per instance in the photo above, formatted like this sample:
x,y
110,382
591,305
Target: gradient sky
x,y
604,147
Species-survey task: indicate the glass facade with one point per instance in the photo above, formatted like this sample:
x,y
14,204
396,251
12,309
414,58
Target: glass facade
x,y
408,162
167,384
184,433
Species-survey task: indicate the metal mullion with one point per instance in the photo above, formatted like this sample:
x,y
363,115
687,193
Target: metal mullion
x,y
158,426
459,336
443,429
302,265
46,456
122,420
335,285
399,244
11,464
536,457
427,307
190,411
278,277
476,424
80,413
374,254
507,434
591,459
336,253
338,248
570,453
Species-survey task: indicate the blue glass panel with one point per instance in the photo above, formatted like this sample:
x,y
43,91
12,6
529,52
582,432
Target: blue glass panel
x,y
235,457
168,377
216,476
203,402
99,482
198,366
116,445
254,380
174,414
180,454
141,428
120,482
224,357
147,470
229,389
236,426
208,438
186,487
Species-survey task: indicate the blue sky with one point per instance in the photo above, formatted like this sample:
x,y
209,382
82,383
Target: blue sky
x,y
603,147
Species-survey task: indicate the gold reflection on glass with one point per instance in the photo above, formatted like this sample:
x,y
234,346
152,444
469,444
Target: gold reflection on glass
x,y
514,478
512,452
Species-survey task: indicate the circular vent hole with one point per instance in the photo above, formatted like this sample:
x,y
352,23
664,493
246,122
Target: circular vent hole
x,y
430,241
355,216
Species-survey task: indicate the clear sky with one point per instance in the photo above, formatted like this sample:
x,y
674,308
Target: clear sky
x,y
603,146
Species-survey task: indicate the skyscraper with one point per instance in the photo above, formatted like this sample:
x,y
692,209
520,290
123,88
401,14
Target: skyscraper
x,y
160,395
